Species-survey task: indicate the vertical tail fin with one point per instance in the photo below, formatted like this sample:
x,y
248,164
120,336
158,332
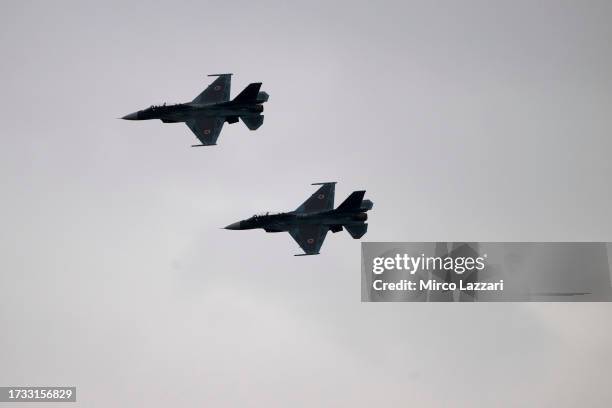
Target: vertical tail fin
x,y
352,202
253,122
248,94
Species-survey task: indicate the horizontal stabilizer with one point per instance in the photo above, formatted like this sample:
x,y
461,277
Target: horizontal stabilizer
x,y
248,94
357,231
352,202
253,122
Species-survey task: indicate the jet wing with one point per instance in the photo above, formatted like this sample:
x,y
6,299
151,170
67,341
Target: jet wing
x,y
309,237
206,129
218,91
321,200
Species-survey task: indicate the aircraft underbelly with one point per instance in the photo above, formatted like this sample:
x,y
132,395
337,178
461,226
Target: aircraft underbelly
x,y
322,221
174,117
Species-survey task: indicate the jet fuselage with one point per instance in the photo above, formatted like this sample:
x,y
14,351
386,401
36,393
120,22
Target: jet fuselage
x,y
183,112
286,221
314,218
206,114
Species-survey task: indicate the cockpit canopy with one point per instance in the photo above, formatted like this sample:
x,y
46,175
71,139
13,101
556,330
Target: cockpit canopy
x,y
155,108
262,215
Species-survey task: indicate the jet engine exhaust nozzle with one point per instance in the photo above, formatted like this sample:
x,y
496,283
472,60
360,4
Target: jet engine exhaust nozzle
x,y
360,217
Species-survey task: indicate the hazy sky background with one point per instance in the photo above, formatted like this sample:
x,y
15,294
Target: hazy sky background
x,y
464,121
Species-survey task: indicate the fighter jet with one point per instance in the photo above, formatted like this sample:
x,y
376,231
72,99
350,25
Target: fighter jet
x,y
309,223
207,113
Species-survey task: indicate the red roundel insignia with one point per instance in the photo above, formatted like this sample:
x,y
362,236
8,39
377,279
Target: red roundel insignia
x,y
207,131
321,196
217,88
310,240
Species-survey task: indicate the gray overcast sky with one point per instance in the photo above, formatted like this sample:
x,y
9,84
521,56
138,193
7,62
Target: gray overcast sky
x,y
468,121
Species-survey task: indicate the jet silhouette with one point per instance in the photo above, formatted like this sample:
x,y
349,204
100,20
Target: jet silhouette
x,y
309,223
207,113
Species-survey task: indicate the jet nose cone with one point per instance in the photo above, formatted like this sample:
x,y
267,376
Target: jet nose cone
x,y
131,116
234,226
